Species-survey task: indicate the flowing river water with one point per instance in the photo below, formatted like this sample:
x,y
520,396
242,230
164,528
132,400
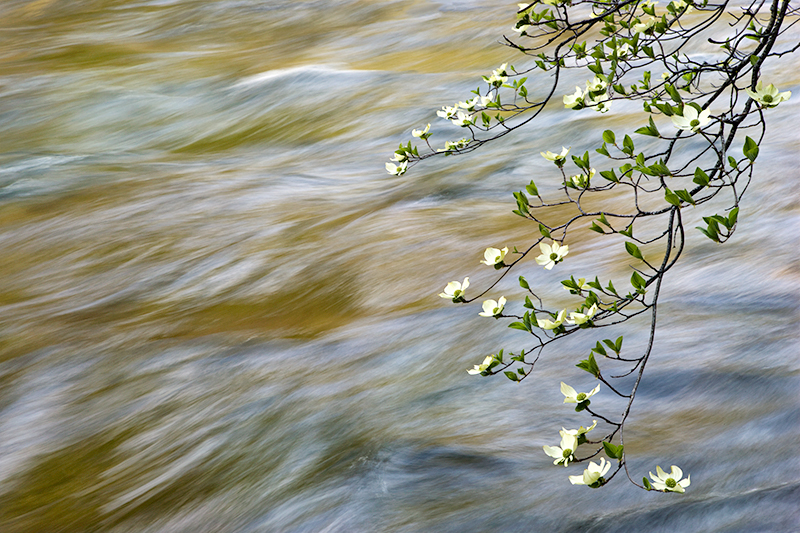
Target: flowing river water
x,y
218,313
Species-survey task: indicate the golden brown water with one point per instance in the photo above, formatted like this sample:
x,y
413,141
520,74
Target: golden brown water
x,y
219,313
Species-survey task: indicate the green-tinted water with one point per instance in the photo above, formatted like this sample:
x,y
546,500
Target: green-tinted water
x,y
219,313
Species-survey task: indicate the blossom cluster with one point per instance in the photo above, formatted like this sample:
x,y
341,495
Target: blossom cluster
x,y
594,474
594,96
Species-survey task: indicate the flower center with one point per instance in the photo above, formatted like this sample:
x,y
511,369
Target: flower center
x,y
767,98
670,483
580,397
553,257
567,452
694,123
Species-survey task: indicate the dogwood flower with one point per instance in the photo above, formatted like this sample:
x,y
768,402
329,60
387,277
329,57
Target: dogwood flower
x,y
499,76
644,27
680,5
596,85
768,96
469,105
462,119
573,396
581,181
421,133
454,145
558,159
455,290
522,28
571,101
493,256
551,254
577,319
493,308
399,157
671,482
593,475
549,324
623,50
691,120
447,112
580,431
563,453
397,170
478,369
599,103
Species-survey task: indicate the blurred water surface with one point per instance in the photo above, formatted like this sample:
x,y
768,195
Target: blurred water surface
x,y
219,314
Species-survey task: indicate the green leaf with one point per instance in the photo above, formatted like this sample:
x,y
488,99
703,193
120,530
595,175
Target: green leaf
x,y
700,177
646,483
638,281
518,325
528,304
610,175
599,349
531,188
611,288
750,149
711,233
633,250
618,345
609,137
603,220
590,365
523,283
526,319
603,151
684,195
627,145
511,375
597,228
673,93
671,197
597,68
591,299
650,129
522,201
544,231
665,108
612,450
660,169
732,217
